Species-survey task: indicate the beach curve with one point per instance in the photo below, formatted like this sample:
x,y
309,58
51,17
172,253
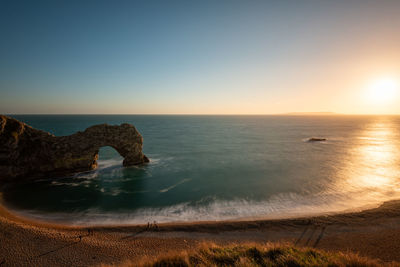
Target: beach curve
x,y
370,233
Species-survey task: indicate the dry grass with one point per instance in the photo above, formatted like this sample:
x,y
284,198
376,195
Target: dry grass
x,y
209,254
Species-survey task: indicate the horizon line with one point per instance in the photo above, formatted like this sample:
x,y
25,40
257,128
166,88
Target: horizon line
x,y
211,114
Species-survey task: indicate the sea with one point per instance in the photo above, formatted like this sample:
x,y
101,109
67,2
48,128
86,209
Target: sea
x,y
216,168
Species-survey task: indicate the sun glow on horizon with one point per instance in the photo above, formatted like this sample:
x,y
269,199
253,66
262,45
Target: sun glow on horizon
x,y
382,91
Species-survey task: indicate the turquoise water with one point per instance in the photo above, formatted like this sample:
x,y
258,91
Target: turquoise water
x,y
222,168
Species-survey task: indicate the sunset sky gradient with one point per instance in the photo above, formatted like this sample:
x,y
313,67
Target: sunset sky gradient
x,y
197,57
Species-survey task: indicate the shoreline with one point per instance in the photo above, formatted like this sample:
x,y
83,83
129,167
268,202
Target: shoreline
x,y
372,233
62,218
388,209
21,215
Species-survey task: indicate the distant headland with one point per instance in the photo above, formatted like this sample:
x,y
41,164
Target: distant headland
x,y
311,113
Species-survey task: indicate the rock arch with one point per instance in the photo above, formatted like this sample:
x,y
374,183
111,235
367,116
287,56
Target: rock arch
x,y
28,152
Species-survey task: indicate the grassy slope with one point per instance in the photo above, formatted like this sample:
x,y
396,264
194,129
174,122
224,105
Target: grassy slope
x,y
258,255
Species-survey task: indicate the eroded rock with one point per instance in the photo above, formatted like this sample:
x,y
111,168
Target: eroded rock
x,y
315,139
26,152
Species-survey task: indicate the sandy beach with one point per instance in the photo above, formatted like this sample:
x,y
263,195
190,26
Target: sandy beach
x,y
373,233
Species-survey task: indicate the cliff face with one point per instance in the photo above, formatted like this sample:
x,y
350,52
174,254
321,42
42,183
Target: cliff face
x,y
26,152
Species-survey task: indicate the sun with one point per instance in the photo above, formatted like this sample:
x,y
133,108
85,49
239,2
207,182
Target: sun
x,y
382,90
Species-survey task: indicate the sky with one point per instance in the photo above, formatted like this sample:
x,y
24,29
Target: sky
x,y
199,57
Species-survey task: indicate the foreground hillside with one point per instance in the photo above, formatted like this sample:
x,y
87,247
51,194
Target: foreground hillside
x,y
373,233
269,254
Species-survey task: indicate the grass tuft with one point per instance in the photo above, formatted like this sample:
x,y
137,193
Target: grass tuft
x,y
251,255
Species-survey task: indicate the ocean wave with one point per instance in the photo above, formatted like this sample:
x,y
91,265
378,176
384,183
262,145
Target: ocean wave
x,y
73,184
279,206
107,163
175,185
156,160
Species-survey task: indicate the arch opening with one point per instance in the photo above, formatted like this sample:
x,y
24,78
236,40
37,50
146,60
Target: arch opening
x,y
108,156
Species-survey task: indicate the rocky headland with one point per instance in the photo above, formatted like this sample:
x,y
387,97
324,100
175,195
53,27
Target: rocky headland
x,y
28,153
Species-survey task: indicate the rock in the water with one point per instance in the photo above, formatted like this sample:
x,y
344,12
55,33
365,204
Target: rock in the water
x,y
26,152
313,139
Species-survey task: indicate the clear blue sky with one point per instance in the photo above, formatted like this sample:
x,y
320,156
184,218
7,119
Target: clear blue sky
x,y
198,57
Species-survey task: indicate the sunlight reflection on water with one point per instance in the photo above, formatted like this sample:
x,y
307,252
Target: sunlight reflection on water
x,y
373,164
